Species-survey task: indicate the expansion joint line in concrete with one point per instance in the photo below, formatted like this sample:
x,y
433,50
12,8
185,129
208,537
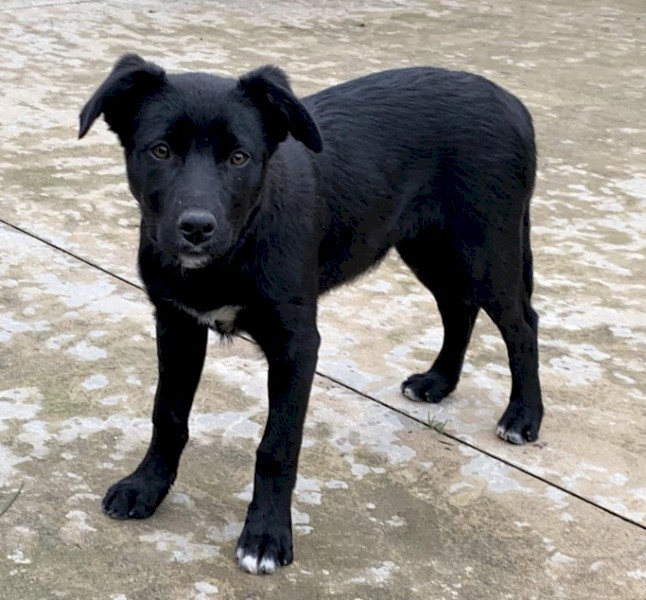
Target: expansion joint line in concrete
x,y
504,461
48,5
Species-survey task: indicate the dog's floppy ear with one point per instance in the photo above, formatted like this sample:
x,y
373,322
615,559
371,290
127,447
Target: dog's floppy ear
x,y
268,88
121,94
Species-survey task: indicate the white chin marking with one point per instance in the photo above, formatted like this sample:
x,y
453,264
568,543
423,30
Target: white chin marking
x,y
190,261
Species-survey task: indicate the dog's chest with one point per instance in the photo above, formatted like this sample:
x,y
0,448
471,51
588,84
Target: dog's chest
x,y
221,319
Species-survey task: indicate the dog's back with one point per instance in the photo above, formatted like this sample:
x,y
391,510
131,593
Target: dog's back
x,y
412,149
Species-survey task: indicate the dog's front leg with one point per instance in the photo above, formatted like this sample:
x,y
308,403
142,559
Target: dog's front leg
x,y
266,540
181,348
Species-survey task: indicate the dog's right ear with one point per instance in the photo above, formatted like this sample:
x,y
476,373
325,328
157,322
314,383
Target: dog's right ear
x,y
120,96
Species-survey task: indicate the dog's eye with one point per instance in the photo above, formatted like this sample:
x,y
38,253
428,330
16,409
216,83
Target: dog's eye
x,y
238,158
161,151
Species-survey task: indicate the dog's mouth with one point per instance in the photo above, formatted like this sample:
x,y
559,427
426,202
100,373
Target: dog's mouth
x,y
194,260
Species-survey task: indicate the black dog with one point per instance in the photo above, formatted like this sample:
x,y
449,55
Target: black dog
x,y
253,203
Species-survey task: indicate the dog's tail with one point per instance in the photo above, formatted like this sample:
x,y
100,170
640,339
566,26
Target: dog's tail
x,y
530,181
528,259
522,121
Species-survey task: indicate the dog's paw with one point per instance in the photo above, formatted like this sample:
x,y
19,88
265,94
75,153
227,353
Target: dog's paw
x,y
263,548
427,387
135,497
519,424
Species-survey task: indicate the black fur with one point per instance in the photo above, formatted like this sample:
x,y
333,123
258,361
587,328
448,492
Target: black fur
x,y
251,198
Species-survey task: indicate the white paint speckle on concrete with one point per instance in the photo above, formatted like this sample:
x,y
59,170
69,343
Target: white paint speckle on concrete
x,y
180,548
95,382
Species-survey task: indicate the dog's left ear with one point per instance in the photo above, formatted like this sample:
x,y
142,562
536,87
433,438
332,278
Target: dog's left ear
x,y
268,88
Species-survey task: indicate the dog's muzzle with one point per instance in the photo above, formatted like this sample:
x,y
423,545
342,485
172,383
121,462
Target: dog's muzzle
x,y
195,230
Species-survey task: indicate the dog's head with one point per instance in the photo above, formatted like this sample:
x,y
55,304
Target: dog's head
x,y
197,148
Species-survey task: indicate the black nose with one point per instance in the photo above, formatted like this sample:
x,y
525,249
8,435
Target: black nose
x,y
197,226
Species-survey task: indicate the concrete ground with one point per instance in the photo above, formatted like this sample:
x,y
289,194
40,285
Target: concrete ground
x,y
386,507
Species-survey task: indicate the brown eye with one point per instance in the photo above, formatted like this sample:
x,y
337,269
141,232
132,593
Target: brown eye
x,y
238,158
161,151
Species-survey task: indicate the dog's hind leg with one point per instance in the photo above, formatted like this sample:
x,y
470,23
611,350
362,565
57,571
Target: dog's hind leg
x,y
517,324
463,281
429,257
507,300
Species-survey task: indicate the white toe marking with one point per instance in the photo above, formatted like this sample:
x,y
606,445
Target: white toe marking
x,y
408,393
515,438
248,562
510,436
252,564
267,565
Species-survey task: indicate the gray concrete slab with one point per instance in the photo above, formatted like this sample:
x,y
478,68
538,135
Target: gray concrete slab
x,y
386,508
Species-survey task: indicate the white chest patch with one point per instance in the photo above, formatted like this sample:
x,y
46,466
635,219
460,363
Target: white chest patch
x,y
221,319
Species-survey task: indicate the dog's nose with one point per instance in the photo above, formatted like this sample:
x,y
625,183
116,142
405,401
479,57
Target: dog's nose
x,y
197,226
